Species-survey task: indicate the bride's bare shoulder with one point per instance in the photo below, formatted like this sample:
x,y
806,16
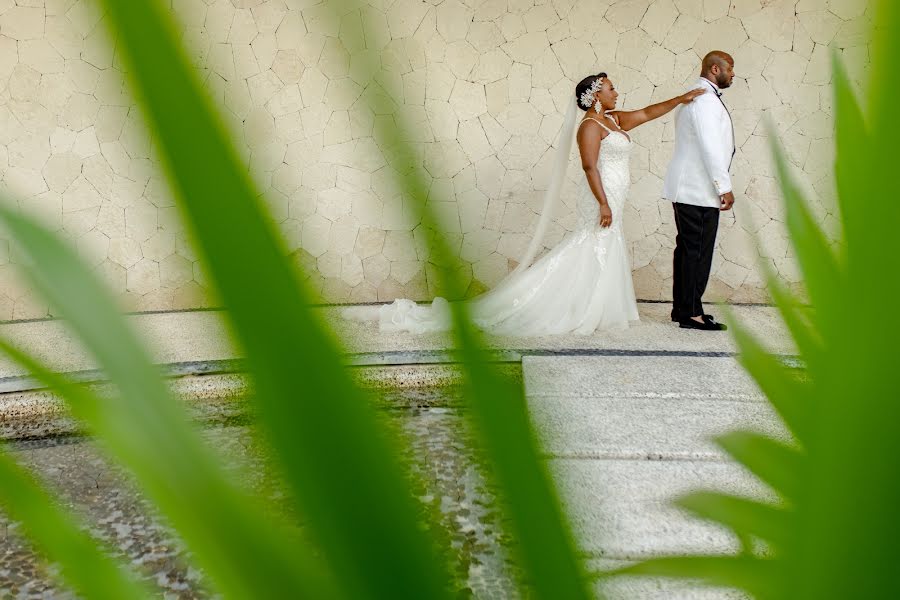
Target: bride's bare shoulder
x,y
590,126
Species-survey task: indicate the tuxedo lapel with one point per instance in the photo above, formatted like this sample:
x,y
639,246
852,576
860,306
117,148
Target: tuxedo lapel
x,y
733,140
730,120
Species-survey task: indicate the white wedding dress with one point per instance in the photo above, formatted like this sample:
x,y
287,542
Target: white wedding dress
x,y
581,285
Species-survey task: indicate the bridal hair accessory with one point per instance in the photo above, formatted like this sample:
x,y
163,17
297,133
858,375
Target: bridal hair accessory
x,y
587,96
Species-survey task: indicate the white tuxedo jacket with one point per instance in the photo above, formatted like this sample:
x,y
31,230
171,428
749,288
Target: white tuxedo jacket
x,y
704,147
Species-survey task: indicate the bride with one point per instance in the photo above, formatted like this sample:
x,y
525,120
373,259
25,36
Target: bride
x,y
584,283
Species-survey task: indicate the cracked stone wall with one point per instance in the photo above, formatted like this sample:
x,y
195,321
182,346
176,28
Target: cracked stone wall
x,y
484,85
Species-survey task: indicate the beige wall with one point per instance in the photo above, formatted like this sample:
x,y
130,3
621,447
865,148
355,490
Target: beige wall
x,y
485,85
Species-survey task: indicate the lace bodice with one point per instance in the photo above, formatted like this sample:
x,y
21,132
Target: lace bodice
x,y
613,162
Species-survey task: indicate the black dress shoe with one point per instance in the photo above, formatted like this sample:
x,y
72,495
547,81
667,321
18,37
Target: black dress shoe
x,y
711,320
710,325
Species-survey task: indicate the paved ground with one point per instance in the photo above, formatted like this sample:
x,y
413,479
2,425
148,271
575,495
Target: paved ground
x,y
627,434
626,418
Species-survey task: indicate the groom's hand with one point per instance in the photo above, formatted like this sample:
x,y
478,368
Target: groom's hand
x,y
727,201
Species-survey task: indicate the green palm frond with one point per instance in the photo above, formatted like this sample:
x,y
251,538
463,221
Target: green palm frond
x,y
147,431
759,576
85,567
789,396
747,518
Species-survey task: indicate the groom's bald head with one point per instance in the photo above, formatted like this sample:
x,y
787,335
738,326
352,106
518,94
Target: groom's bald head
x,y
718,67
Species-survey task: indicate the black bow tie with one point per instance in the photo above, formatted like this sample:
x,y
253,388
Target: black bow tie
x,y
714,89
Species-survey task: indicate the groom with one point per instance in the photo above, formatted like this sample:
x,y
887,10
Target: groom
x,y
699,186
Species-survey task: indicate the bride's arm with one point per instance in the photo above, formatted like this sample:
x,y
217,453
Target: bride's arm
x,y
630,119
589,139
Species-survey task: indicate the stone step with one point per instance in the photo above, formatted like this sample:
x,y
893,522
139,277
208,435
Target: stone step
x,y
650,376
622,508
650,407
645,428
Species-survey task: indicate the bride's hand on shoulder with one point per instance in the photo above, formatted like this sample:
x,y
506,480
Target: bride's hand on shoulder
x,y
689,96
605,215
634,118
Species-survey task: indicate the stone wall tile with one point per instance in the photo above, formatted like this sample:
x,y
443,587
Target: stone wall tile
x,y
111,220
61,170
481,88
683,34
175,271
820,25
491,269
773,26
41,56
22,23
847,9
404,17
493,65
376,269
24,83
540,18
109,124
453,19
725,33
746,8
143,277
586,20
627,14
478,244
659,68
659,18
399,214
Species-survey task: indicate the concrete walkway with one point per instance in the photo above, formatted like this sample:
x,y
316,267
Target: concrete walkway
x,y
625,418
627,434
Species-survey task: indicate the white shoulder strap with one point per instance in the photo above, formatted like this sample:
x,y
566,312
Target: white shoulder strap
x,y
597,121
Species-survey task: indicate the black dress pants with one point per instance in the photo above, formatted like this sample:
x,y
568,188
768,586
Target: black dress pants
x,y
697,227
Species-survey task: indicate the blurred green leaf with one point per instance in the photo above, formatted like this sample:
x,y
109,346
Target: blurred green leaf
x,y
841,484
851,168
787,394
778,465
852,493
745,517
145,429
546,546
544,542
795,316
536,521
61,539
877,212
817,262
760,577
337,461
